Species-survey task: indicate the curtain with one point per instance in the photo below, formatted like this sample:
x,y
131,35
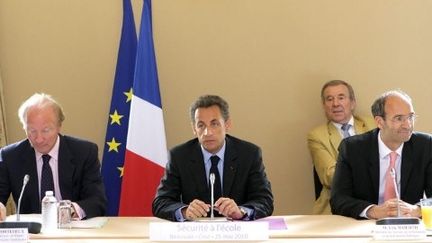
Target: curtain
x,y
10,206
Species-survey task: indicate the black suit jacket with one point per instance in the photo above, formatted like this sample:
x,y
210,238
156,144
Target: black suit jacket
x,y
356,180
79,175
244,179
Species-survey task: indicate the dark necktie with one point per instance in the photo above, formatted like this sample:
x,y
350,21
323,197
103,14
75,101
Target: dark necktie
x,y
47,181
217,184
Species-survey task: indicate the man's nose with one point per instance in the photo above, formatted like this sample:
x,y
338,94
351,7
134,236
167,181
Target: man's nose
x,y
207,131
38,137
335,102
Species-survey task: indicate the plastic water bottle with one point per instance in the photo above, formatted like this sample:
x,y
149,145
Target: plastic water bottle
x,y
49,212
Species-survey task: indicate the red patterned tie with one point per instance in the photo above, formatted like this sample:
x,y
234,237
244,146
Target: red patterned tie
x,y
390,190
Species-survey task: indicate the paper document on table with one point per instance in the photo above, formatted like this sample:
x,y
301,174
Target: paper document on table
x,y
25,218
93,223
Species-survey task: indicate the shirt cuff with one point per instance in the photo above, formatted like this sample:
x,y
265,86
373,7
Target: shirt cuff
x,y
79,212
249,213
363,214
178,215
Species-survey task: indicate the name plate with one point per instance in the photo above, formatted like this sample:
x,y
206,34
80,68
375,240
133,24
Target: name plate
x,y
209,231
14,235
399,232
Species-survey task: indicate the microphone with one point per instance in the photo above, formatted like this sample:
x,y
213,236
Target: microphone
x,y
398,219
25,181
32,227
393,175
212,181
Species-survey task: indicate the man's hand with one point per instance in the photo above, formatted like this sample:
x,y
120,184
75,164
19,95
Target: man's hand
x,y
2,212
228,208
196,209
390,209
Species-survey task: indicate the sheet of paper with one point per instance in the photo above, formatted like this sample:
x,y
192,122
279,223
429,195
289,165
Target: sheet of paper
x,y
93,223
26,218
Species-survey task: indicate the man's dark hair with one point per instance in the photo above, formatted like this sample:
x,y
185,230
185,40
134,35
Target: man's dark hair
x,y
338,82
206,101
378,106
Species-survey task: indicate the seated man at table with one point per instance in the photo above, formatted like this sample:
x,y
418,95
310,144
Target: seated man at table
x,y
66,165
339,102
369,165
241,188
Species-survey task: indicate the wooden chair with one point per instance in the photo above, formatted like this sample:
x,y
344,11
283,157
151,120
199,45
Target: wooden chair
x,y
10,206
317,184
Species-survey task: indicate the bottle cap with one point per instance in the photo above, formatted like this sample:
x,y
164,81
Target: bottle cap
x,y
49,193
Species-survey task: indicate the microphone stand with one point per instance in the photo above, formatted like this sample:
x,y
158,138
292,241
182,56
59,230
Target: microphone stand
x,y
212,181
26,179
398,219
33,227
393,175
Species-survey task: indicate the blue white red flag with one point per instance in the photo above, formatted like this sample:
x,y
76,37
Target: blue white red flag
x,y
146,152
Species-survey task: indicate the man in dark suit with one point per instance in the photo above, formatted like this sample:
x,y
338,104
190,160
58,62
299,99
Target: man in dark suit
x,y
374,167
71,169
184,192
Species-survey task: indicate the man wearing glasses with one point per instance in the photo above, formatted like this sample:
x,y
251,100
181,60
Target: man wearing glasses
x,y
375,168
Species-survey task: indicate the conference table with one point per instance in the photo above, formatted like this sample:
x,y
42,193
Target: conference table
x,y
292,228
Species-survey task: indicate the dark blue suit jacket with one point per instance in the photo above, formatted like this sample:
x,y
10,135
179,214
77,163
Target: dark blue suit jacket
x,y
79,175
244,179
356,180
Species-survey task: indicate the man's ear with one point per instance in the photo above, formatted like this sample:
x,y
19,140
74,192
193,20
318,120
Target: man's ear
x,y
193,128
228,124
379,121
353,105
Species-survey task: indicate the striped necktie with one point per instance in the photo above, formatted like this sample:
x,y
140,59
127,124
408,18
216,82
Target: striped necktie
x,y
345,130
47,181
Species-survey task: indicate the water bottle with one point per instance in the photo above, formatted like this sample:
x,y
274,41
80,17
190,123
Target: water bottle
x,y
49,212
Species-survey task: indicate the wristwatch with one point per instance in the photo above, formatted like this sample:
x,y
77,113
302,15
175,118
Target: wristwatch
x,y
244,213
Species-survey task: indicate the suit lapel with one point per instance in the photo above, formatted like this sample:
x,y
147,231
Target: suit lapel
x,y
359,126
230,167
66,169
374,164
406,166
334,136
30,168
198,169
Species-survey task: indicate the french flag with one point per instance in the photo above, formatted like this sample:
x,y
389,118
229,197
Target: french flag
x,y
146,152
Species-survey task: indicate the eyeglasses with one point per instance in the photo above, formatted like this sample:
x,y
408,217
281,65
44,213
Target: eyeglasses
x,y
403,118
33,133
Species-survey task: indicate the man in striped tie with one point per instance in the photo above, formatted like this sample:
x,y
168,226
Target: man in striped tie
x,y
338,102
386,171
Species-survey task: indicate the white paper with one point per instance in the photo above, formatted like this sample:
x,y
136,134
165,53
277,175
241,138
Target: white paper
x,y
92,223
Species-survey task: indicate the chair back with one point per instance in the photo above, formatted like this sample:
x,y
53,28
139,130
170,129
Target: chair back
x,y
317,184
